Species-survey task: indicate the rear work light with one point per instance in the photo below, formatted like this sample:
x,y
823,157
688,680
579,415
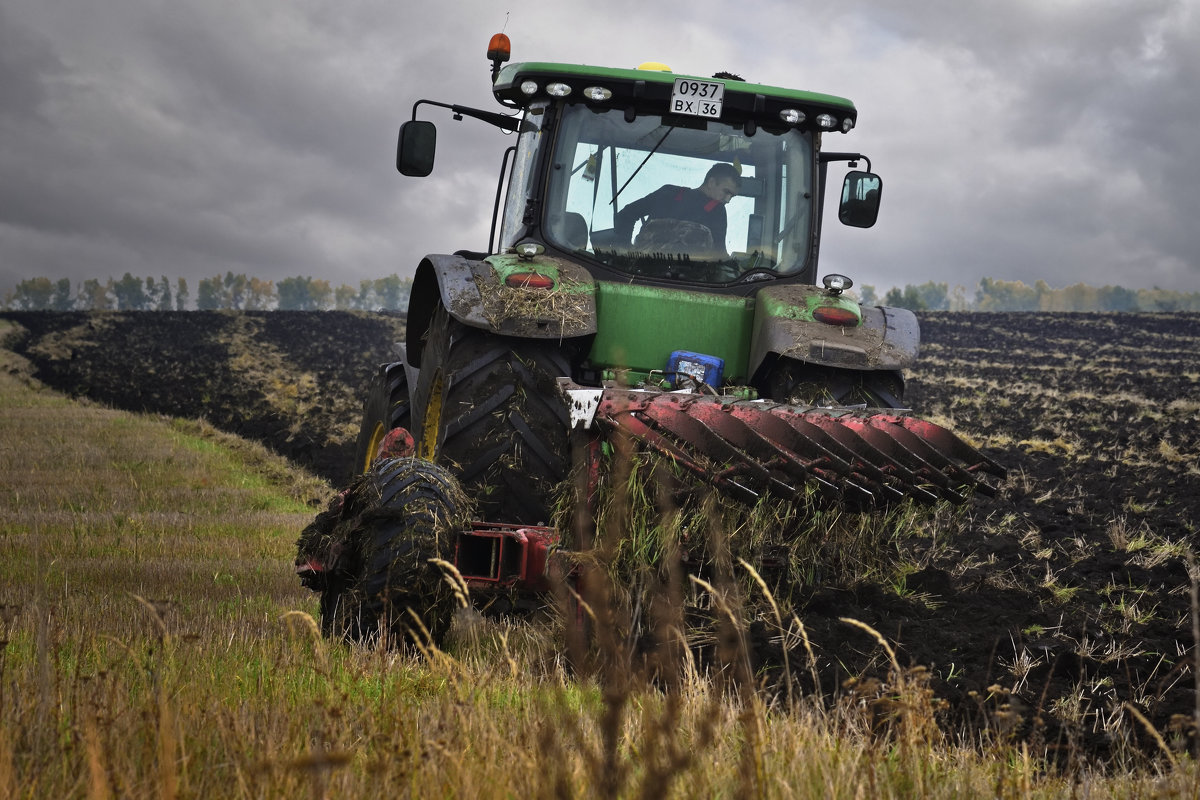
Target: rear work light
x,y
835,315
529,280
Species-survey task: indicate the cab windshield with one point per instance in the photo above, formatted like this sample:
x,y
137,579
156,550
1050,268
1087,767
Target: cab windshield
x,y
680,198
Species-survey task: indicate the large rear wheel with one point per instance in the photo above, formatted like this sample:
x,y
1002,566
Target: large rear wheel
x,y
386,407
487,407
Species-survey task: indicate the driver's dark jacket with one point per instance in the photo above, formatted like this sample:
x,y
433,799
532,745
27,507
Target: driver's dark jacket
x,y
675,202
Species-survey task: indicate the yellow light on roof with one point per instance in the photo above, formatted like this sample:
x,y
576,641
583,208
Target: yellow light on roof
x,y
654,66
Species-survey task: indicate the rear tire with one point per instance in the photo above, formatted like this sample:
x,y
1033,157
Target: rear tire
x,y
412,511
487,407
387,406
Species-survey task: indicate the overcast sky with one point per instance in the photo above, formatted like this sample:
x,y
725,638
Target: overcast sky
x,y
1017,139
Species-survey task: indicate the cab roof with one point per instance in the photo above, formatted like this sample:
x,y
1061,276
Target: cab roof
x,y
650,89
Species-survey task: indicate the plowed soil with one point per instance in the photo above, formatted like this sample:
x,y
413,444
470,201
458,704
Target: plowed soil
x,y
1049,610
292,380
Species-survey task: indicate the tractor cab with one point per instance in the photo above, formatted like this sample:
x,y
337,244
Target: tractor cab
x,y
644,176
650,219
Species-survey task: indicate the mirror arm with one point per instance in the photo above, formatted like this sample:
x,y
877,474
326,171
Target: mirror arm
x,y
827,157
492,118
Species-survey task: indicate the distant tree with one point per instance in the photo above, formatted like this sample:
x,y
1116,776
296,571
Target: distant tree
x,y
129,293
62,299
1118,298
295,294
345,298
162,300
934,296
1157,299
322,294
995,295
958,299
210,294
909,297
1047,297
304,294
867,295
260,294
96,296
235,290
366,295
181,295
1079,297
32,294
391,293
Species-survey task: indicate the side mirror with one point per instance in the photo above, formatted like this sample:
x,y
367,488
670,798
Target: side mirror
x,y
860,199
414,153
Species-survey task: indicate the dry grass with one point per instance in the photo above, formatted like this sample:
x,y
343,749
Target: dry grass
x,y
154,643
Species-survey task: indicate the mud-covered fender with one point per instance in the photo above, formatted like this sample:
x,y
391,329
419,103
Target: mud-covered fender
x,y
886,339
446,278
475,293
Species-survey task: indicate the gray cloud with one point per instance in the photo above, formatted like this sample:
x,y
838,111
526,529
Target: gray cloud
x,y
1020,140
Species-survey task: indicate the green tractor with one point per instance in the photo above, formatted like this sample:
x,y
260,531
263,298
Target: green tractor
x,y
652,270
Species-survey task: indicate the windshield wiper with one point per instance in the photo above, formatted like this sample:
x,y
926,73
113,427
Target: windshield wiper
x,y
654,150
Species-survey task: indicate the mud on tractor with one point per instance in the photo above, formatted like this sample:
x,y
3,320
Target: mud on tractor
x,y
652,273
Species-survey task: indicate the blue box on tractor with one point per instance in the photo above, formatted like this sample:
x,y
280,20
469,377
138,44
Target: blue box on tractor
x,y
705,369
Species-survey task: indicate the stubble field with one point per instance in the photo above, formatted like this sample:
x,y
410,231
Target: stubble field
x,y
1061,609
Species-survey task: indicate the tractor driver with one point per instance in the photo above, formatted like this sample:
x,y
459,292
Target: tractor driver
x,y
704,205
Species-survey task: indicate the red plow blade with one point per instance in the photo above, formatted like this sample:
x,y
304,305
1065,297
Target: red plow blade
x,y
746,448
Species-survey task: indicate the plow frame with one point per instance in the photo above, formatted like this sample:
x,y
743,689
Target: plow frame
x,y
498,557
861,457
746,449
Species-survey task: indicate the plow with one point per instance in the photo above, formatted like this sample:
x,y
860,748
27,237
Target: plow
x,y
651,277
860,458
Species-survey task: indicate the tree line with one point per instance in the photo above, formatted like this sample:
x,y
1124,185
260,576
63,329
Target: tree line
x,y
230,291
997,295
239,292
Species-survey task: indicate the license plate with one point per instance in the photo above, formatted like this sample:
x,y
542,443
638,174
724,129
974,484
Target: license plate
x,y
697,98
